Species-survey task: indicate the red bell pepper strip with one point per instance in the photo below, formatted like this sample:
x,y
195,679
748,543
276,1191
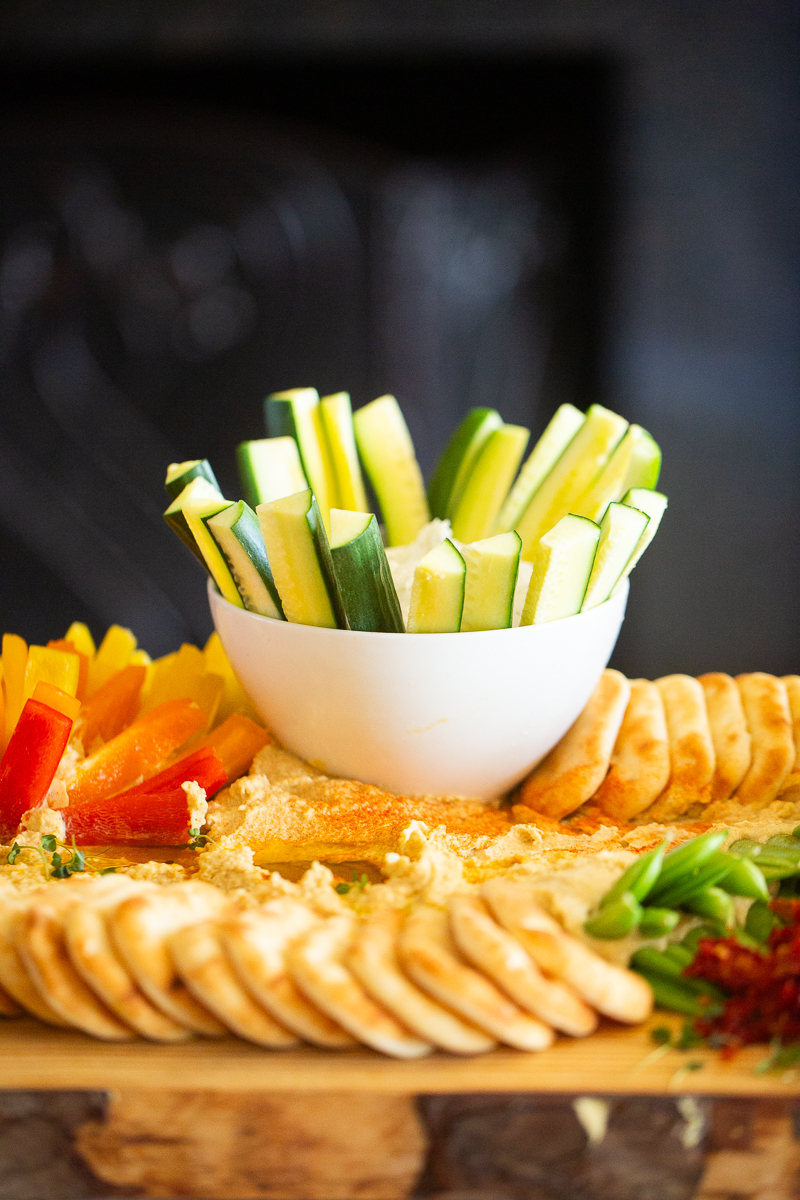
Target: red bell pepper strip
x,y
138,819
30,762
203,766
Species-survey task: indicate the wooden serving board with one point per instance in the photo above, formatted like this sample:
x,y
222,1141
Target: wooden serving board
x,y
612,1061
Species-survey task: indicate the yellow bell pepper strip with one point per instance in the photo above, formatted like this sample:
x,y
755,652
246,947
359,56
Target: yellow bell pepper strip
x,y
83,664
138,751
113,654
184,674
234,698
30,761
54,697
113,707
15,658
80,637
236,741
59,667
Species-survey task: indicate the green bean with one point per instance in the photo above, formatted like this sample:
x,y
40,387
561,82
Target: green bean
x,y
745,878
679,954
668,993
712,902
796,832
617,919
778,870
639,878
663,963
746,847
760,921
747,940
690,856
787,840
709,873
656,922
692,939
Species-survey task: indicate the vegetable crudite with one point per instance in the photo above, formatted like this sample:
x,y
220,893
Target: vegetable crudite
x,y
580,510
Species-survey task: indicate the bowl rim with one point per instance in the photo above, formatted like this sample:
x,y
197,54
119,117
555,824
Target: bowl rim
x,y
323,631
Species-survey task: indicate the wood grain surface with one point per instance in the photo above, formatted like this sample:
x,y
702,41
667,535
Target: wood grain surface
x,y
614,1061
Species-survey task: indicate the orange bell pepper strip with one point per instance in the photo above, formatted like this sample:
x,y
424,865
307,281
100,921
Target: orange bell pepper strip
x,y
113,653
30,762
54,697
83,663
138,751
237,741
113,707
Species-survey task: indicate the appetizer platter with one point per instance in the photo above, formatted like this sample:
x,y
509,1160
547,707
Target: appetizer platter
x,y
398,806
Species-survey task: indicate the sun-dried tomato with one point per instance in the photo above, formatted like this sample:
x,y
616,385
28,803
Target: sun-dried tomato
x,y
764,1001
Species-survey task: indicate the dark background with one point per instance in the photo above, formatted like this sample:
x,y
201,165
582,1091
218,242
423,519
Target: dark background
x,y
505,203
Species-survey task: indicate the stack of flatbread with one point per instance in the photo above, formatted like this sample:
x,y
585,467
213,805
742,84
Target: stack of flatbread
x,y
657,751
117,957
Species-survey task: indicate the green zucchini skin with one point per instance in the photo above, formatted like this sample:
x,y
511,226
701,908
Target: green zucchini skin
x,y
201,469
177,521
459,454
366,585
247,532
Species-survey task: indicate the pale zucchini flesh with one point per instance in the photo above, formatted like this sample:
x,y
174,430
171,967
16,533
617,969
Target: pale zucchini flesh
x,y
196,513
620,531
363,574
198,488
296,413
654,504
635,462
437,594
337,418
270,468
492,568
560,431
236,531
561,569
180,474
449,479
300,559
579,465
387,452
489,480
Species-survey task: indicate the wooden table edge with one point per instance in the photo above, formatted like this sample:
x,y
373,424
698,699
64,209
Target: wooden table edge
x,y
614,1061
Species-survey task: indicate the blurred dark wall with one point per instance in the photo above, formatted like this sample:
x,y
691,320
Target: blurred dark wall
x,y
628,171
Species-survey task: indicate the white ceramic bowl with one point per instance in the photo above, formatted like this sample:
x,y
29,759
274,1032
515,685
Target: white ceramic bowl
x,y
466,714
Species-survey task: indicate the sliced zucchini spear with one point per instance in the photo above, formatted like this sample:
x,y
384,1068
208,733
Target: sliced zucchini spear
x,y
387,453
450,476
583,459
179,474
636,462
198,488
655,505
620,531
488,482
363,573
337,419
437,595
237,533
565,423
300,559
492,568
270,468
197,512
297,414
561,569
